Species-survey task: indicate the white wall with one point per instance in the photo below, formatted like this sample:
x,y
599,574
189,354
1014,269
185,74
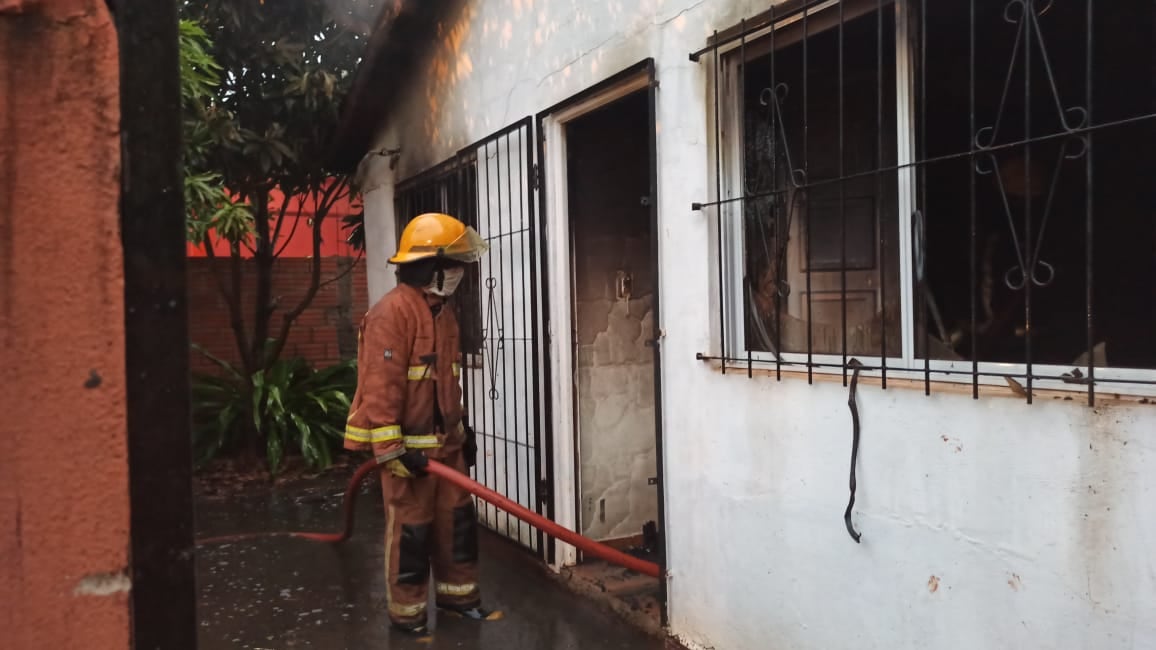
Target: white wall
x,y
376,182
986,524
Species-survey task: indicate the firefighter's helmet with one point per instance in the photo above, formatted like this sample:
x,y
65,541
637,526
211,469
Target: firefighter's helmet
x,y
439,235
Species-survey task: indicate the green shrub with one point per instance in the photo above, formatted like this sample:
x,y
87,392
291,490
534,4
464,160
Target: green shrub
x,y
288,408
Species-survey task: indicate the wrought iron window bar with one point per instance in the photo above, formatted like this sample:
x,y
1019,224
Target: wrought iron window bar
x,y
1033,267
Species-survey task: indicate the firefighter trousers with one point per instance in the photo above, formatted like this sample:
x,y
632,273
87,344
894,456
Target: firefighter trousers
x,y
429,524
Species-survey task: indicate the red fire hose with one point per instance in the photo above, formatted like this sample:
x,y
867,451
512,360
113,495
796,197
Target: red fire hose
x,y
552,529
445,473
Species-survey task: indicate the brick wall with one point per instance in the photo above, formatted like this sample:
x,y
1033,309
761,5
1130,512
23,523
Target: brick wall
x,y
325,334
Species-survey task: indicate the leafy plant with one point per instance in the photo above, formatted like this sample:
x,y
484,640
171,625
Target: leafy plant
x,y
355,225
290,406
263,84
262,88
209,207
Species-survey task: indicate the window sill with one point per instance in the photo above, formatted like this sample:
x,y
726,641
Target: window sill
x,y
903,379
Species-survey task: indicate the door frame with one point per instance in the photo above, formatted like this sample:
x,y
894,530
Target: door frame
x,y
555,232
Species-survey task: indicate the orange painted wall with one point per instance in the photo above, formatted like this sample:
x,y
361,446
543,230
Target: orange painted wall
x,y
64,501
298,242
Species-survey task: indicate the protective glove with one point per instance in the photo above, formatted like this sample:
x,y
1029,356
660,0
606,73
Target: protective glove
x,y
408,465
470,448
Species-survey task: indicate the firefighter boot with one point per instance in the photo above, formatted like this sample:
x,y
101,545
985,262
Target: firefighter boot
x,y
473,613
417,629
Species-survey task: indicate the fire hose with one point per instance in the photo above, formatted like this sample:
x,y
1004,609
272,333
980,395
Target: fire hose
x,y
445,473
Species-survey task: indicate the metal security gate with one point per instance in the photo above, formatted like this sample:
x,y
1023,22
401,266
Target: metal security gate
x,y
489,185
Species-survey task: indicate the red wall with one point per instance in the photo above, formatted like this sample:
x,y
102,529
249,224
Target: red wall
x,y
316,335
298,242
64,493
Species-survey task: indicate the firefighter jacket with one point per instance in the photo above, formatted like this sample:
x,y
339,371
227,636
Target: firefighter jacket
x,y
408,392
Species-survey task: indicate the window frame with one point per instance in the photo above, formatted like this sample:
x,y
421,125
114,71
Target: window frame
x,y
906,364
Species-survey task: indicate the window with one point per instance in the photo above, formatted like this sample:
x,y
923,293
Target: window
x,y
450,188
1040,200
820,235
945,188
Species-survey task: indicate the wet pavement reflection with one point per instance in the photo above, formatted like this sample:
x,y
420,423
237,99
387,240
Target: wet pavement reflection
x,y
272,593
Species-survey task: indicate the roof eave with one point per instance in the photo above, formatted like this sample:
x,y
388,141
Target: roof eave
x,y
397,45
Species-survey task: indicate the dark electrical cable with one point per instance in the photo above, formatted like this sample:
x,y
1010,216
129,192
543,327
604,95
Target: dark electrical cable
x,y
856,367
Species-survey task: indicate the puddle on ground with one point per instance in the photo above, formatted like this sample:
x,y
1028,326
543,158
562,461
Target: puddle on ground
x,y
277,593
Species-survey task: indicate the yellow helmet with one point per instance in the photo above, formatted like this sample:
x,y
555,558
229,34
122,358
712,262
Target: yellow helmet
x,y
439,235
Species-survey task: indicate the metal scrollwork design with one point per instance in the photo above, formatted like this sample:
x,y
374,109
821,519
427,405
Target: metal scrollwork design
x,y
785,192
493,344
1029,37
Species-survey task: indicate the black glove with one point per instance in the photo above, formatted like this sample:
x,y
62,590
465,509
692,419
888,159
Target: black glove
x,y
415,461
470,448
411,463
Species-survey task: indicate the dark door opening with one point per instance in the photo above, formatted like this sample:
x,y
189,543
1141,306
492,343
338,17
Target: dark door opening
x,y
613,309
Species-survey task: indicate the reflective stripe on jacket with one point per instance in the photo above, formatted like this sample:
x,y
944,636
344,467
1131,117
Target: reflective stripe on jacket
x,y
405,354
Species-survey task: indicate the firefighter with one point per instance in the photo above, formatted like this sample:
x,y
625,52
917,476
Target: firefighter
x,y
408,409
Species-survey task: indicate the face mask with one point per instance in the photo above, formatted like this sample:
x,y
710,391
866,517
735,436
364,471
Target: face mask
x,y
450,279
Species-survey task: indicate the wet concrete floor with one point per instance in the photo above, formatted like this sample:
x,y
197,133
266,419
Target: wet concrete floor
x,y
274,593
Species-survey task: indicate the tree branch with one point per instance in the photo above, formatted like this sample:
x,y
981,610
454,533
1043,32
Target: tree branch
x,y
311,293
236,315
300,209
281,220
336,278
322,206
211,255
232,296
329,197
263,261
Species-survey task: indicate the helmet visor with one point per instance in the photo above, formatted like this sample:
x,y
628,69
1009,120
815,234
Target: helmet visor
x,y
468,248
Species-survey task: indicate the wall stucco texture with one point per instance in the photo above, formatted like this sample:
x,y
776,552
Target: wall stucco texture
x,y
64,504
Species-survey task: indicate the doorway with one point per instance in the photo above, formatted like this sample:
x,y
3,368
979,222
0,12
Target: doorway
x,y
612,308
598,152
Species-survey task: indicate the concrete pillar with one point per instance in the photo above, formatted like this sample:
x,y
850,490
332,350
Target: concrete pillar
x,y
380,226
380,241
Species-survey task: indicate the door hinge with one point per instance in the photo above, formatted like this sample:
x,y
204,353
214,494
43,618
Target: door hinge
x,y
543,492
537,177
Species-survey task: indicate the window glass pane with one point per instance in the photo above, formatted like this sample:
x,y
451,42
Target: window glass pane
x,y
820,209
1032,199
